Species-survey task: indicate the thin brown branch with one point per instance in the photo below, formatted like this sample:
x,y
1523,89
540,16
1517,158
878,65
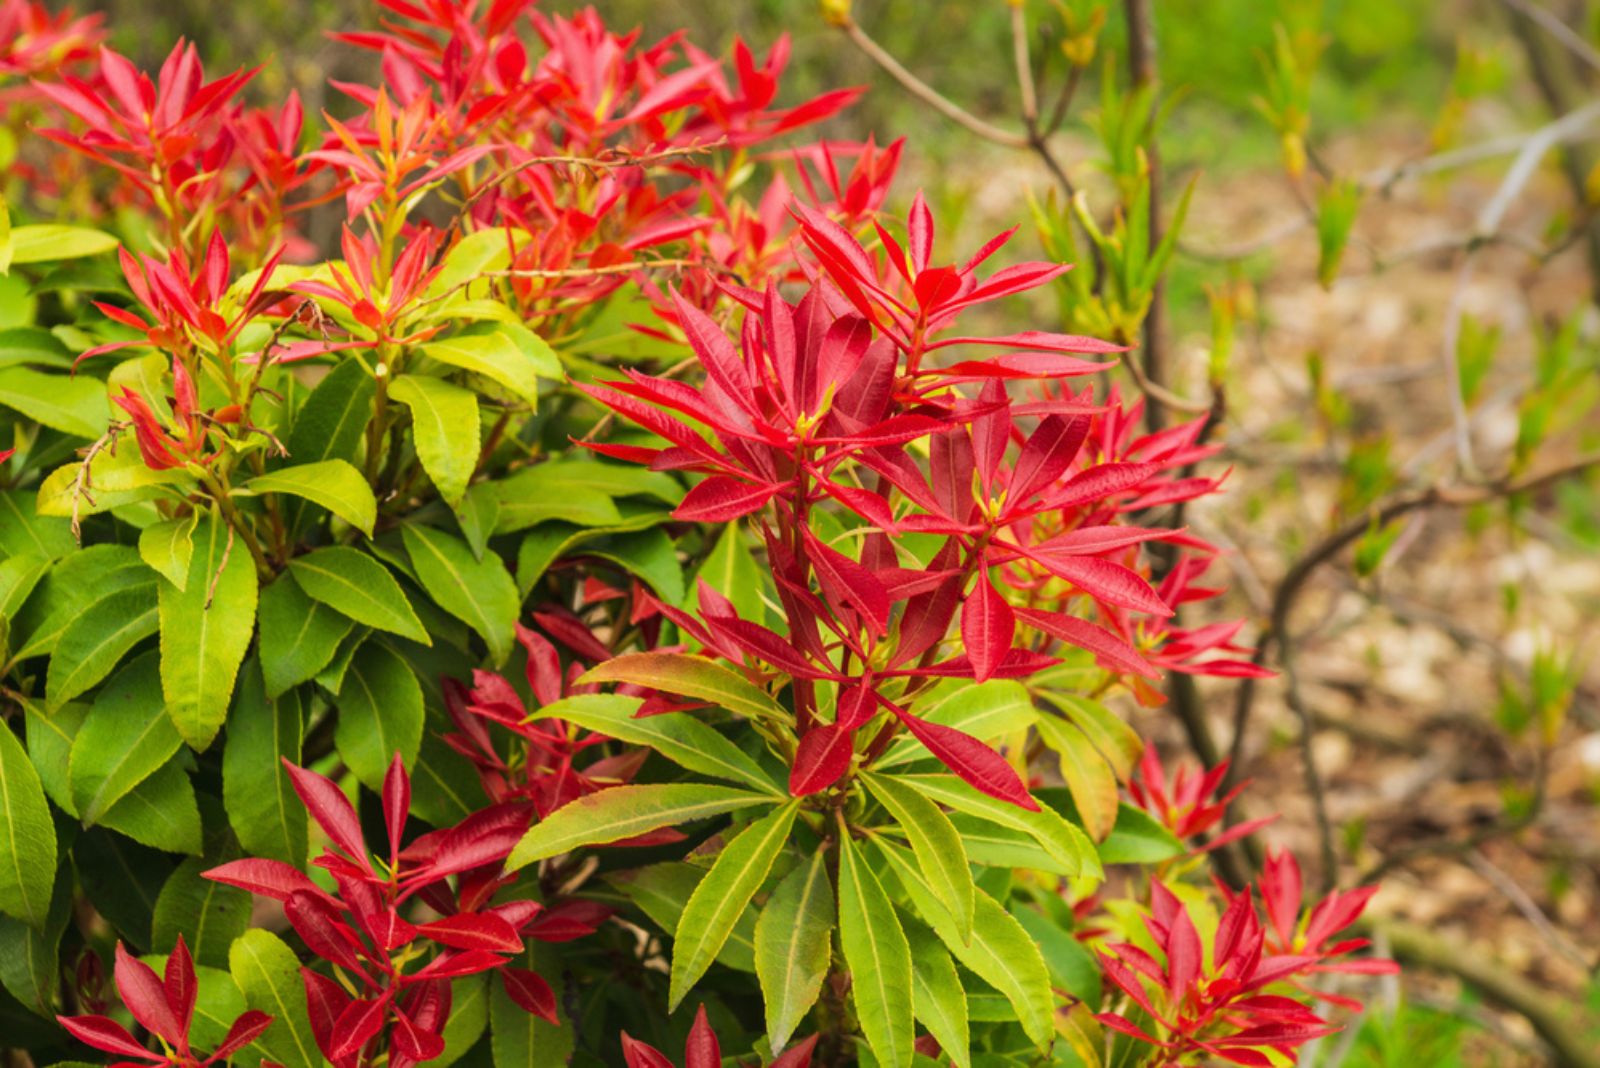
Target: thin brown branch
x,y
1565,35
1276,636
927,93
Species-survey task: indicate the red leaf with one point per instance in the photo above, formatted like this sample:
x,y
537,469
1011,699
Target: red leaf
x,y
1109,650
857,704
179,983
637,1054
531,992
332,811
921,233
269,878
469,930
846,582
357,1024
981,767
326,1000
1104,538
821,758
146,997
106,1035
797,1056
244,1031
1099,483
720,499
396,803
1108,582
702,1050
987,627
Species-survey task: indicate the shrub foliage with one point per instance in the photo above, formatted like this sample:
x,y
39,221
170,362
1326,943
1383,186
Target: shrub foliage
x,y
633,569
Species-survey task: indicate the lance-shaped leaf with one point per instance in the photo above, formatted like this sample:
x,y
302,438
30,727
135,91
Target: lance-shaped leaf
x,y
662,890
445,426
793,942
124,740
333,484
263,732
494,356
678,736
355,585
268,974
937,996
479,592
690,676
168,546
987,627
879,957
1061,839
722,895
27,836
205,630
299,636
1091,780
936,844
72,405
329,426
95,642
623,812
380,713
1000,951
983,768
987,710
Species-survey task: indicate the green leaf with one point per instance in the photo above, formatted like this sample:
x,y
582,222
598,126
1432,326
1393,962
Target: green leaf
x,y
495,356
161,812
793,943
1138,839
518,1038
476,514
209,915
480,593
72,583
18,577
936,844
985,711
678,736
95,642
731,570
613,480
354,584
549,491
625,811
205,631
1000,952
168,547
690,676
125,740
662,890
879,957
329,426
267,817
380,714
117,480
649,554
445,426
122,879
331,678
1059,838
268,976
1117,742
23,532
30,965
445,788
299,636
1072,968
937,996
722,895
1090,779
49,242
27,836
332,484
74,405
32,344
469,1018
50,737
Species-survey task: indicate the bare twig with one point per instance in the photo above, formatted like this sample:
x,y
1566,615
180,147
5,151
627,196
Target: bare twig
x,y
1276,636
1529,908
1566,35
927,93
